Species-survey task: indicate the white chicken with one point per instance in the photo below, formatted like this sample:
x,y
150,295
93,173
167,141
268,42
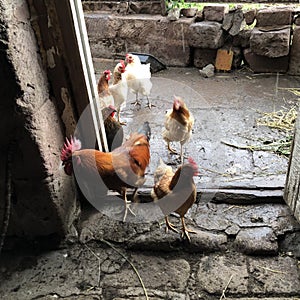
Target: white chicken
x,y
138,78
119,88
178,125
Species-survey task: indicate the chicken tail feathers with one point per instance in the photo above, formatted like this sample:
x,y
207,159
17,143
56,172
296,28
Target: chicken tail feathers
x,y
146,130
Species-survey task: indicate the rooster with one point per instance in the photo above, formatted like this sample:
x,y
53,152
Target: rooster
x,y
104,93
138,78
113,128
120,169
178,125
176,191
119,87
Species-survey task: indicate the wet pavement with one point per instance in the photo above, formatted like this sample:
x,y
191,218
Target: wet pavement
x,y
247,241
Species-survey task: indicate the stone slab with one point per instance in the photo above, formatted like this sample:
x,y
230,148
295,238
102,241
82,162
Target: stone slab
x,y
257,241
206,35
274,16
215,271
263,64
277,275
270,43
215,12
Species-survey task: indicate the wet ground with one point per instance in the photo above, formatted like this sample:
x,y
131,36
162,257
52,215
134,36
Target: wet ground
x,y
247,241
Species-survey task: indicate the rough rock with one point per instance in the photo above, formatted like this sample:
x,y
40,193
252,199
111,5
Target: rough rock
x,y
204,57
290,244
250,16
227,22
208,71
278,275
273,16
257,241
297,20
215,272
242,39
263,64
215,12
237,21
270,43
207,35
294,65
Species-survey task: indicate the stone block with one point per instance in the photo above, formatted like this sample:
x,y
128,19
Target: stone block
x,y
250,16
215,272
274,16
204,57
206,35
274,276
257,241
270,43
215,12
263,64
242,39
294,66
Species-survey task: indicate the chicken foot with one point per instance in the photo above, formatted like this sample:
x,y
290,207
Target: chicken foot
x,y
170,225
185,231
149,104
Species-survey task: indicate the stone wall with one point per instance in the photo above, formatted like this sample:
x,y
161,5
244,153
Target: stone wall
x,y
43,200
260,38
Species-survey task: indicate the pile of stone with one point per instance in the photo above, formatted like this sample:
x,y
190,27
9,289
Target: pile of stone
x,y
272,45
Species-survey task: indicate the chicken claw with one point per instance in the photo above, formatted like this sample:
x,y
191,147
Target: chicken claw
x,y
149,104
185,231
170,225
137,103
171,149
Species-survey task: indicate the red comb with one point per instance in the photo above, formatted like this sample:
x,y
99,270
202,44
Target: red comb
x,y
122,63
69,147
107,72
194,166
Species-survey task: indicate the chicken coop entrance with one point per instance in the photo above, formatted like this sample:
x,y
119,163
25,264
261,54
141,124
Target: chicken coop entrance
x,y
228,141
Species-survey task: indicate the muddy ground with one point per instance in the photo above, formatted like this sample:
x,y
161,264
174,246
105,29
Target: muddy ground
x,y
247,241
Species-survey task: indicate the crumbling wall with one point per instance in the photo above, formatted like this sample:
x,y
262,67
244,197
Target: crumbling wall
x,y
43,200
266,39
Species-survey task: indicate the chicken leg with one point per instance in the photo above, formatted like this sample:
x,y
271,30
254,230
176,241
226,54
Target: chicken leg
x,y
119,112
127,207
185,231
137,102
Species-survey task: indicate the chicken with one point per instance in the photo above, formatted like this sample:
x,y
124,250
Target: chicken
x,y
113,128
178,125
104,93
119,89
138,77
119,170
175,192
